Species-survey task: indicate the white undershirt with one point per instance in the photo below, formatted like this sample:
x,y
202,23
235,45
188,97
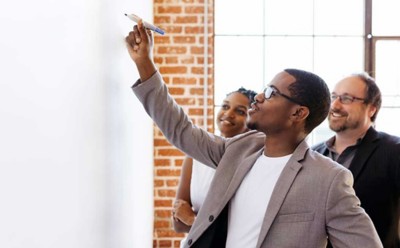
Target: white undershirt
x,y
202,177
249,204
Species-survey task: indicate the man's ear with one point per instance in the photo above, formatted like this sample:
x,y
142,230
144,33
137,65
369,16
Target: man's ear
x,y
301,113
372,111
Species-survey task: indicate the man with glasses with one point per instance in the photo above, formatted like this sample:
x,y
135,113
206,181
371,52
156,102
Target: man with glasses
x,y
373,157
269,188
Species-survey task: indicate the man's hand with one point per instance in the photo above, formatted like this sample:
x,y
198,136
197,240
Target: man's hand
x,y
183,212
140,45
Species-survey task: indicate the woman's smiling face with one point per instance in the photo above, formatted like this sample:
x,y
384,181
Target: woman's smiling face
x,y
232,117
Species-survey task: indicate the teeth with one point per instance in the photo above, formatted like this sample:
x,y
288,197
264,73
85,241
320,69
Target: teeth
x,y
251,111
226,122
336,115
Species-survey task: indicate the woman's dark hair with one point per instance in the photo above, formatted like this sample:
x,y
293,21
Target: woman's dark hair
x,y
312,92
250,94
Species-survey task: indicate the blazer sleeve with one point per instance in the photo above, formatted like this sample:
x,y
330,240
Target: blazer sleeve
x,y
348,225
175,124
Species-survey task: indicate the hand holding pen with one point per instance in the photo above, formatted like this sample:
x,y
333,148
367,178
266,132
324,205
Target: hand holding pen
x,y
147,25
140,45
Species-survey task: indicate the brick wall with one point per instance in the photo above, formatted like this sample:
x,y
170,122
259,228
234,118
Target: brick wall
x,y
179,55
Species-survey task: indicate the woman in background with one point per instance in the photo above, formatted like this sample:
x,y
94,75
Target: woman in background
x,y
195,177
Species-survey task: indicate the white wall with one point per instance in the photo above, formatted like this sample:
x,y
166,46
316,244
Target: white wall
x,y
75,145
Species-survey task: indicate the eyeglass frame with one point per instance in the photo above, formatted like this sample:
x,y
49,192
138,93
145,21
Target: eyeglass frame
x,y
346,98
274,90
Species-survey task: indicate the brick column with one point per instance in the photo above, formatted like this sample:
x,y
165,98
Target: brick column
x,y
179,55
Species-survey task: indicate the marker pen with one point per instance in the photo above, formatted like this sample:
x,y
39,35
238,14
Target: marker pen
x,y
150,26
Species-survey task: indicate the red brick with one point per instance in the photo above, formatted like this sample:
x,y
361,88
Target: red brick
x,y
173,29
194,10
176,90
171,60
166,233
166,193
164,243
178,162
184,39
173,69
162,39
169,10
158,60
163,203
162,162
184,80
172,182
197,70
185,19
171,50
185,101
162,213
194,30
161,142
177,243
196,111
196,91
162,224
162,19
158,183
169,152
200,60
168,173
187,60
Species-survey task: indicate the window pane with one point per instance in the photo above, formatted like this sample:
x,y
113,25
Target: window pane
x,y
320,133
289,17
387,70
331,18
287,52
385,17
238,62
336,57
236,17
382,123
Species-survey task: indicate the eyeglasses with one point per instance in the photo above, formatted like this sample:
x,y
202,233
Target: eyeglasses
x,y
270,91
346,99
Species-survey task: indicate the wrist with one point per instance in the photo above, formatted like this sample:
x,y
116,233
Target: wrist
x,y
146,69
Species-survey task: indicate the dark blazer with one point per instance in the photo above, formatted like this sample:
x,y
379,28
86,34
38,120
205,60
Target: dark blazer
x,y
312,199
376,171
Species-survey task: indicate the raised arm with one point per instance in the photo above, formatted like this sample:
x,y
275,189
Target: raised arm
x,y
162,108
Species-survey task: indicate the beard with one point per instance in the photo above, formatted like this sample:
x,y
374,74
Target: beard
x,y
337,128
343,126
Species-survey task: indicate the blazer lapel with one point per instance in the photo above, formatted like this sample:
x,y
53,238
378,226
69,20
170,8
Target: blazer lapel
x,y
240,173
281,189
363,153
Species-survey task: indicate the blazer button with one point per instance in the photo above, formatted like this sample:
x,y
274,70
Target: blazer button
x,y
190,241
211,218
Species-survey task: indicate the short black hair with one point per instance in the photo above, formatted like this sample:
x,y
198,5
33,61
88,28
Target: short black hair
x,y
250,94
373,94
312,92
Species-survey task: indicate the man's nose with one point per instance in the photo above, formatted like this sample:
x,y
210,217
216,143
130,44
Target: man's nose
x,y
259,97
335,103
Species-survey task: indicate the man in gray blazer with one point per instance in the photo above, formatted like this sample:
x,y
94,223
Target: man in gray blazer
x,y
270,189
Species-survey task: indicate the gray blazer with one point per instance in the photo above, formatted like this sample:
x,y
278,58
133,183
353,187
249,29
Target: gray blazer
x,y
312,199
